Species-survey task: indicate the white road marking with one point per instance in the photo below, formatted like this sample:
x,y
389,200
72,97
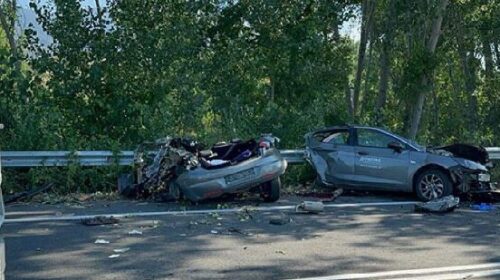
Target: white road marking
x,y
421,272
455,276
204,211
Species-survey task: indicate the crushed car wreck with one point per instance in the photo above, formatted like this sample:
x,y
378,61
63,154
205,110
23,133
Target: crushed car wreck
x,y
182,169
368,158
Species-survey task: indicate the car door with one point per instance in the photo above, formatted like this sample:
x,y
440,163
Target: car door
x,y
332,155
376,165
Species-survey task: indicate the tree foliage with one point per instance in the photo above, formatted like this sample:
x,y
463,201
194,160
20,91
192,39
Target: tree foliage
x,y
117,74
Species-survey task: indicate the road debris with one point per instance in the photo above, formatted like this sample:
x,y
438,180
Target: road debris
x,y
322,196
279,221
114,256
442,205
280,252
313,207
27,194
232,230
101,241
135,232
99,220
121,250
483,207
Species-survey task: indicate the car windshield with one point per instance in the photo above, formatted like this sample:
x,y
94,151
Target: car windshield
x,y
415,144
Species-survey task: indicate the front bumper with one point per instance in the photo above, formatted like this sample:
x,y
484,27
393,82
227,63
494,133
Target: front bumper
x,y
472,181
200,184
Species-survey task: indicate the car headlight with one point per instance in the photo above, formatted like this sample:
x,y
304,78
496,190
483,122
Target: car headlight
x,y
469,164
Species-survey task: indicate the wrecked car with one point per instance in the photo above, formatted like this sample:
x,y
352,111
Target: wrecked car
x,y
181,168
368,158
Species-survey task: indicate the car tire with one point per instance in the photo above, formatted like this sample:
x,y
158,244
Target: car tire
x,y
270,191
433,184
174,191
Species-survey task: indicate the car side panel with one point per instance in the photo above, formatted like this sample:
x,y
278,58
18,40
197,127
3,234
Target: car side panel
x,y
382,168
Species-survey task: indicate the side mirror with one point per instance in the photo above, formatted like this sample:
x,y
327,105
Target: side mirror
x,y
396,146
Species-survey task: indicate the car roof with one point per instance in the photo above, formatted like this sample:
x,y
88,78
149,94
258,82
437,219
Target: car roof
x,y
347,126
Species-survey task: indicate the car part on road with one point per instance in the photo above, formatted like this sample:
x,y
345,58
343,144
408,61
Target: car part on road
x,y
99,220
441,205
313,207
369,158
484,207
281,220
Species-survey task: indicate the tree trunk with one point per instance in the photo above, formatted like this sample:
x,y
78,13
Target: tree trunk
x,y
8,27
383,83
430,47
497,53
366,21
488,57
385,62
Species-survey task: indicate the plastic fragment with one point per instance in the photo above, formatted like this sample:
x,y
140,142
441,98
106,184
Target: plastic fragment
x,y
121,250
135,232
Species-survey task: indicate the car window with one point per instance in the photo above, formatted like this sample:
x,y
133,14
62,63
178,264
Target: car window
x,y
373,138
337,137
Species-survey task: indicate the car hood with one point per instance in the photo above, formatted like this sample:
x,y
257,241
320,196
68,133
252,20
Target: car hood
x,y
464,154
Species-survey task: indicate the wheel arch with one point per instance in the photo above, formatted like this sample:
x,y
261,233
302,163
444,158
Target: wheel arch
x,y
430,167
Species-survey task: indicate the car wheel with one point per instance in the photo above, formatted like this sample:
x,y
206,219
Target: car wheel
x,y
433,184
270,191
174,191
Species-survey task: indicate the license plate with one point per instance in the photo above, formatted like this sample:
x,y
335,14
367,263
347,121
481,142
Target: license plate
x,y
483,177
242,175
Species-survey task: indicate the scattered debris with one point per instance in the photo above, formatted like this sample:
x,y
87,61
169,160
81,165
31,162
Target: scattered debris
x,y
135,232
244,215
121,250
114,256
280,252
322,196
27,194
483,207
99,220
280,220
442,205
101,241
232,230
313,207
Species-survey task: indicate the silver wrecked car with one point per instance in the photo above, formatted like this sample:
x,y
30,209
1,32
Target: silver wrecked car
x,y
368,158
182,168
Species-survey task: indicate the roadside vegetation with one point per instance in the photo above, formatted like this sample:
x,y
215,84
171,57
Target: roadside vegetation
x,y
116,74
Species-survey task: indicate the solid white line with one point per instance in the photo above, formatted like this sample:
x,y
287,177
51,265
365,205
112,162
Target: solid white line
x,y
411,272
205,211
455,276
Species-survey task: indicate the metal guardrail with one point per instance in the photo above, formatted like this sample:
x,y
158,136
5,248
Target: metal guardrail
x,y
104,158
493,152
64,158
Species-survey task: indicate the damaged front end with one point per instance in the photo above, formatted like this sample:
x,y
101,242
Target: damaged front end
x,y
471,174
174,168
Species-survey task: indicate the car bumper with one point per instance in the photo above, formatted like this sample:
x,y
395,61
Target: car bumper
x,y
200,184
469,181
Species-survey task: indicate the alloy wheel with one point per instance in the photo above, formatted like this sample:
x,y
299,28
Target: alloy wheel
x,y
431,186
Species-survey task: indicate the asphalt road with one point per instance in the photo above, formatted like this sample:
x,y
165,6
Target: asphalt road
x,y
240,246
